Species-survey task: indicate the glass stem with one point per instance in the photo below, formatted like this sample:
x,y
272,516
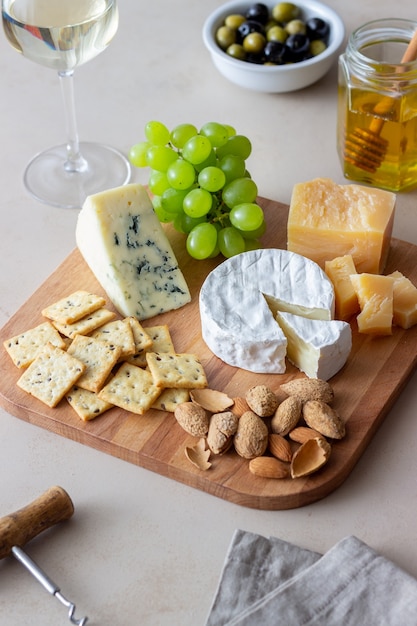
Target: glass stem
x,y
75,162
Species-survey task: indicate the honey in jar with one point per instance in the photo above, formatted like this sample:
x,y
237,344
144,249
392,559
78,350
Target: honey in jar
x,y
377,106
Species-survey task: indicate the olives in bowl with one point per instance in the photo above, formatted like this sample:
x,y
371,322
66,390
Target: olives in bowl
x,y
274,46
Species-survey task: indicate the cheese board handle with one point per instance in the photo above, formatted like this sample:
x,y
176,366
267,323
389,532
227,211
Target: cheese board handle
x,y
18,528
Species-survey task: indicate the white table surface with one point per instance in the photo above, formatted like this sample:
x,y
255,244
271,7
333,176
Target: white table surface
x,y
141,548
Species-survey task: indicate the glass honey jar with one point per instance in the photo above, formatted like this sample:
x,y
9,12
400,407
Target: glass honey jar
x,y
377,105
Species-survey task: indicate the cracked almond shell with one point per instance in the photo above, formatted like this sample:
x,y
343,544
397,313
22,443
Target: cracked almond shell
x,y
310,457
211,399
221,430
198,455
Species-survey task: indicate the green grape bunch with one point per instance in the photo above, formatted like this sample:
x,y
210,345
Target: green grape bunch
x,y
199,182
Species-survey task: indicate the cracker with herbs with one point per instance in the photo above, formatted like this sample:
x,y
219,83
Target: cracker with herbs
x,y
51,375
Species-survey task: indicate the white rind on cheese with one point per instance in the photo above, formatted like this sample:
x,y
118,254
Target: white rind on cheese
x,y
240,298
319,348
248,338
124,244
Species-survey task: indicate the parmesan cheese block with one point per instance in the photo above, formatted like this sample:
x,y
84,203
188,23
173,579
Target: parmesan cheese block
x,y
339,271
124,244
319,348
375,296
405,301
327,220
239,301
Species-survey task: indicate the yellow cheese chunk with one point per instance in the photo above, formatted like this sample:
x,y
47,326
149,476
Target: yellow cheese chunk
x,y
327,220
339,271
375,296
405,301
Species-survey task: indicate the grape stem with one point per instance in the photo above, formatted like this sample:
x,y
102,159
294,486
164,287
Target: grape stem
x,y
75,162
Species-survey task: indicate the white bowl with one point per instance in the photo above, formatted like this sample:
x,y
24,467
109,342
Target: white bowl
x,y
277,78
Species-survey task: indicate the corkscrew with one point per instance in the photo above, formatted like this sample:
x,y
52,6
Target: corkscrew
x,y
20,527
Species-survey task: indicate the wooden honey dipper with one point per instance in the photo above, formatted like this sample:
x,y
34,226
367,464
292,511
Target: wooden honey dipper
x,y
364,148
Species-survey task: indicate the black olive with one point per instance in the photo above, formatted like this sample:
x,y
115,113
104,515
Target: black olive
x,y
298,46
317,28
276,52
250,26
258,12
253,57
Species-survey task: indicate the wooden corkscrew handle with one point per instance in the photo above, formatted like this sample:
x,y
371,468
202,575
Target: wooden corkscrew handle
x,y
16,529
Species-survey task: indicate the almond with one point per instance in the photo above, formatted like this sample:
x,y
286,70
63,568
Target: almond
x,y
262,400
280,448
310,457
251,438
286,416
309,389
324,419
268,467
240,406
211,399
303,433
192,418
221,430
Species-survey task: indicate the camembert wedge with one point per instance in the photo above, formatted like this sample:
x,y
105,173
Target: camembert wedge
x,y
239,301
319,348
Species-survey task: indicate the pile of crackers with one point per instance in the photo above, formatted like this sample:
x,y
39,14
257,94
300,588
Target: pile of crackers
x,y
83,353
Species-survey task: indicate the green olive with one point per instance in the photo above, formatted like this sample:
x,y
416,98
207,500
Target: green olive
x,y
296,27
285,12
317,47
254,42
236,51
277,33
234,21
225,36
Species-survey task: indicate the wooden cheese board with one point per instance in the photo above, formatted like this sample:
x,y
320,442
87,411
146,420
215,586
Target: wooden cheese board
x,y
365,389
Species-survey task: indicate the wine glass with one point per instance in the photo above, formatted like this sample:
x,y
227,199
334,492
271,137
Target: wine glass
x,y
62,34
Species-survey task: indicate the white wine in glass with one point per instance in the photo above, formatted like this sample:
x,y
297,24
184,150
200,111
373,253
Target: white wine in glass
x,y
62,34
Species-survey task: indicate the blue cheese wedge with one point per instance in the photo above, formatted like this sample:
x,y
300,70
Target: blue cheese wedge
x,y
125,246
240,299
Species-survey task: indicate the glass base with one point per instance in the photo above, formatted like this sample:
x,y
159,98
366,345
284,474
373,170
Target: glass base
x,y
47,180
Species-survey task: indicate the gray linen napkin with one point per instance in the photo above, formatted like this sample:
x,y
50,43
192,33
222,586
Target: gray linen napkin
x,y
270,581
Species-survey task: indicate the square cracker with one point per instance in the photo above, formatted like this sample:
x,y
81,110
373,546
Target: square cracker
x,y
117,333
176,370
99,358
51,375
24,348
170,399
86,324
140,336
161,342
72,308
86,404
131,388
